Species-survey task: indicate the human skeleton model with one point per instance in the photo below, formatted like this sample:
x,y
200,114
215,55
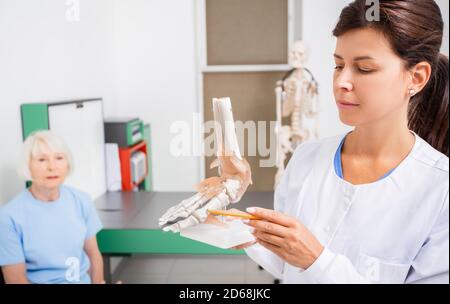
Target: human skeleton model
x,y
214,193
297,97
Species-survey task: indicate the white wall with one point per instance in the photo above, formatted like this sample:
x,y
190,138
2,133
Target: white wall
x,y
44,57
444,5
139,55
318,21
155,49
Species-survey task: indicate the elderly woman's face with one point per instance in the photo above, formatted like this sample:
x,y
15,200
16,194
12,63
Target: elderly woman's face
x,y
48,168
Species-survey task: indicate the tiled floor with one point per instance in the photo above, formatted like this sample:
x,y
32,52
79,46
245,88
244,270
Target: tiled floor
x,y
160,269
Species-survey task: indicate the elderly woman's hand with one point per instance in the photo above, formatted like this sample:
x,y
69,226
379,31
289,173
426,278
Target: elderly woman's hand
x,y
286,237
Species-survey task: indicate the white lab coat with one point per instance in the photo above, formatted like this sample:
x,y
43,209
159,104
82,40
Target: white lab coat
x,y
394,230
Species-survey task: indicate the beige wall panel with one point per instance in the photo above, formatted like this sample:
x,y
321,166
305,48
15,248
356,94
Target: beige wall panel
x,y
243,32
253,99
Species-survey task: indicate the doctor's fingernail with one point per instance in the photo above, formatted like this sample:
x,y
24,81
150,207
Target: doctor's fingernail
x,y
251,210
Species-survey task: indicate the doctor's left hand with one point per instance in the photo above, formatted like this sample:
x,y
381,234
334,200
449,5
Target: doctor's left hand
x,y
286,237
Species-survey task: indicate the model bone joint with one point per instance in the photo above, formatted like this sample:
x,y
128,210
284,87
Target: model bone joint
x,y
218,192
297,98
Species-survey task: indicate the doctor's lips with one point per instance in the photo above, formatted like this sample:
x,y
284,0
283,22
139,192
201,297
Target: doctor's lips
x,y
344,104
52,177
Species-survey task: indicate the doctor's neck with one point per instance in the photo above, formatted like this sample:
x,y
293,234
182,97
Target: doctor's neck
x,y
44,194
386,137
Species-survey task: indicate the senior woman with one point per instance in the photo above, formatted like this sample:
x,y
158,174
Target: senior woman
x,y
48,232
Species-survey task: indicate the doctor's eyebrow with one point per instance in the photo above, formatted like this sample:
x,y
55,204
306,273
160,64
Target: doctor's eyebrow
x,y
359,58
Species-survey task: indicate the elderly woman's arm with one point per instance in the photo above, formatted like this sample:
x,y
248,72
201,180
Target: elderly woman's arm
x,y
95,257
15,274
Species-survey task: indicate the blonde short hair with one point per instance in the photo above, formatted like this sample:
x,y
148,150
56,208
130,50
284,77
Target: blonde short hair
x,y
33,146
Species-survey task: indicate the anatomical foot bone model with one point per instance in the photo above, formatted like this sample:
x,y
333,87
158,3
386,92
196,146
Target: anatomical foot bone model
x,y
214,193
297,97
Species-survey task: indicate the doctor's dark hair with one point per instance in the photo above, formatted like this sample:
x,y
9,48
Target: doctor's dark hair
x,y
414,29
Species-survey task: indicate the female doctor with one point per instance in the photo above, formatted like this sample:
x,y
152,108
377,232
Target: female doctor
x,y
371,206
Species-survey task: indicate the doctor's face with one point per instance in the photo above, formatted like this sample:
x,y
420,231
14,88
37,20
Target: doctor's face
x,y
48,168
370,80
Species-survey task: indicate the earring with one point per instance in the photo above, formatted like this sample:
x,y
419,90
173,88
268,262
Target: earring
x,y
412,92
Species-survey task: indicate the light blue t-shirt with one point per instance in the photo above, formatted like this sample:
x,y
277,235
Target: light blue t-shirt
x,y
49,236
338,162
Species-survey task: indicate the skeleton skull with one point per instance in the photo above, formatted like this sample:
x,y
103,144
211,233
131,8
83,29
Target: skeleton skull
x,y
298,55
